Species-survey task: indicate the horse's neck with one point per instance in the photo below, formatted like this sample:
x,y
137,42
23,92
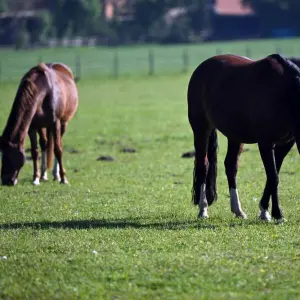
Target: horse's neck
x,y
23,110
18,124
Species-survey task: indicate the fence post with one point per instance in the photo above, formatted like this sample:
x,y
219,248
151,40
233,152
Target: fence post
x,y
218,51
77,68
151,62
278,50
185,58
248,52
116,64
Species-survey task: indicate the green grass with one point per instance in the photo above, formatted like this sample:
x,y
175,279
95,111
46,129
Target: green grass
x,y
133,60
127,229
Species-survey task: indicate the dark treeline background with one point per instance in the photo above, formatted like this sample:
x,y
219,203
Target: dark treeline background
x,y
34,22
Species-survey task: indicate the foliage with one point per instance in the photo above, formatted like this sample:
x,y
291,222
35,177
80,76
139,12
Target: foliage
x,y
22,37
3,6
82,15
40,27
276,14
149,19
175,32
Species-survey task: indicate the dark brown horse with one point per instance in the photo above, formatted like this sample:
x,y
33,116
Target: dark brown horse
x,y
249,102
46,100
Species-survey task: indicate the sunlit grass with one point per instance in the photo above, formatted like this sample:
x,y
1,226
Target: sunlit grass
x,y
126,229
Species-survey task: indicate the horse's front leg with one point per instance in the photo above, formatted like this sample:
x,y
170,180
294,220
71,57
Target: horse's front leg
x,y
34,155
267,155
280,153
58,130
231,167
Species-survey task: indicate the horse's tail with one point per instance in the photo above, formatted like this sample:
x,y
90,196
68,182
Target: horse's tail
x,y
211,179
196,112
50,148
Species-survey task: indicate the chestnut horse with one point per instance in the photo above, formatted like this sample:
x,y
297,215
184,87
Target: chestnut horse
x,y
249,102
47,98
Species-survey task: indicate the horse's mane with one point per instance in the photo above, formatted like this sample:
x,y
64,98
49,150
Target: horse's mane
x,y
295,60
27,88
288,65
293,99
24,98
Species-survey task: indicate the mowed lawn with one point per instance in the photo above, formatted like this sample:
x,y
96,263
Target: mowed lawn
x,y
126,229
89,62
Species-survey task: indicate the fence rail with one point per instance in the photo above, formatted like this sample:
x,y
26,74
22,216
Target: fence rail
x,y
92,62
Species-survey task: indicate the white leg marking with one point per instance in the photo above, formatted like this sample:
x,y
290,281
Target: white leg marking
x,y
264,214
55,170
36,181
280,221
235,204
64,181
44,176
44,166
203,205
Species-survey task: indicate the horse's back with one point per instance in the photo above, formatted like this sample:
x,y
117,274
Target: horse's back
x,y
240,97
230,59
214,71
61,68
64,90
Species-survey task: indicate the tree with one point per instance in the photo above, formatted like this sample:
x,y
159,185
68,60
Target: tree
x,y
40,27
3,6
22,38
276,14
84,15
149,18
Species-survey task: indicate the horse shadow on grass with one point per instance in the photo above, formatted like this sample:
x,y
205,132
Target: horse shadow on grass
x,y
136,223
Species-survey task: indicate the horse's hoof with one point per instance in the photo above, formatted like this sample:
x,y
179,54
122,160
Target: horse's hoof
x,y
64,181
203,214
265,216
280,221
56,178
44,177
241,215
36,181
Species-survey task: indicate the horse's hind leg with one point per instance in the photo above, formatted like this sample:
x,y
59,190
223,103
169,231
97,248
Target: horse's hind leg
x,y
200,173
55,170
58,131
231,167
35,155
267,154
43,145
280,153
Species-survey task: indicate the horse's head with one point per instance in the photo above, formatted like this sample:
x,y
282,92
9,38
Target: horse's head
x,y
13,160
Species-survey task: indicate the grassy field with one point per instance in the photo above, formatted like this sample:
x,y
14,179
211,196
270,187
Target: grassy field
x,y
126,229
100,61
